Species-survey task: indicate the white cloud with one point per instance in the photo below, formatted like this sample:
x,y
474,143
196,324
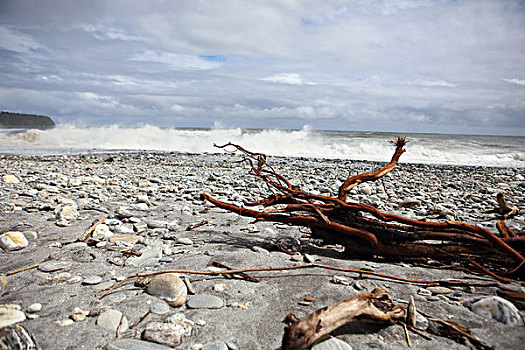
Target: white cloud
x,y
515,81
176,61
288,78
16,41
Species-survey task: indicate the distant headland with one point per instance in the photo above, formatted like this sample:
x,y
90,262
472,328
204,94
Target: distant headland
x,y
19,120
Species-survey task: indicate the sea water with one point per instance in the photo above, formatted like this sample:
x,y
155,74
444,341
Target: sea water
x,y
500,151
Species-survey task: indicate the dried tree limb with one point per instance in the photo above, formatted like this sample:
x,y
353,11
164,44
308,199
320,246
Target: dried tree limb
x,y
375,306
91,229
365,231
353,181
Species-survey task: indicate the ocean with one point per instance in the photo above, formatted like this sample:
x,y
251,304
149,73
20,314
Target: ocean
x,y
478,150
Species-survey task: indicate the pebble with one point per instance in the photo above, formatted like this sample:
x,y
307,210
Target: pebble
x,y
164,333
205,301
297,257
79,315
331,344
184,241
169,287
258,249
149,257
215,345
160,308
10,179
10,314
497,308
135,344
114,298
35,307
13,240
65,323
52,266
92,280
125,237
338,279
439,290
110,320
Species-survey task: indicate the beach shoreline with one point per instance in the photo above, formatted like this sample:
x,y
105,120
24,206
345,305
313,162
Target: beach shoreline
x,y
156,197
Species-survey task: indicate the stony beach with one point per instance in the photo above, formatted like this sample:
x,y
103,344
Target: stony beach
x,y
149,217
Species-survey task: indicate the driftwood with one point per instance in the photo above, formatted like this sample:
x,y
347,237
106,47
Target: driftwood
x,y
376,306
366,232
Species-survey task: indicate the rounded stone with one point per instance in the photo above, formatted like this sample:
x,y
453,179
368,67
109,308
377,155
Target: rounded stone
x,y
216,345
332,344
13,240
439,290
10,179
160,308
110,320
134,344
205,301
36,307
9,316
51,266
91,280
169,287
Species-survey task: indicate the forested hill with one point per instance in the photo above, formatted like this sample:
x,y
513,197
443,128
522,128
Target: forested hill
x,y
19,120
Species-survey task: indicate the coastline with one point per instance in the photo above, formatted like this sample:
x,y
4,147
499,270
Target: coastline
x,y
162,189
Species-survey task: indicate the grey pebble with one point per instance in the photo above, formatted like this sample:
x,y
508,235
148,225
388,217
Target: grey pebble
x,y
216,345
160,308
51,266
332,344
205,301
110,320
185,241
135,344
433,298
91,280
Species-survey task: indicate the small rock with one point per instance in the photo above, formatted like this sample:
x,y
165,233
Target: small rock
x,y
51,266
10,179
67,212
148,257
258,249
439,290
297,257
216,345
10,315
35,307
204,301
309,258
410,203
125,237
496,308
169,287
92,280
160,308
219,287
164,333
79,315
338,279
110,320
332,344
102,231
65,323
366,190
135,344
13,241
184,241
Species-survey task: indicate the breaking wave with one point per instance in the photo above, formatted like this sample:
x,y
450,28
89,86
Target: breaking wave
x,y
422,148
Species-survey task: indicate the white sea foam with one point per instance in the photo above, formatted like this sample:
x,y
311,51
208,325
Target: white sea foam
x,y
442,149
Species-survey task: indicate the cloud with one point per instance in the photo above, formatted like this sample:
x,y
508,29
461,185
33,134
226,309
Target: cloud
x,y
287,78
515,81
392,64
176,61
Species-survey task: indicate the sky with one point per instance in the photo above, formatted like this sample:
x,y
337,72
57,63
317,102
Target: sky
x,y
392,65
